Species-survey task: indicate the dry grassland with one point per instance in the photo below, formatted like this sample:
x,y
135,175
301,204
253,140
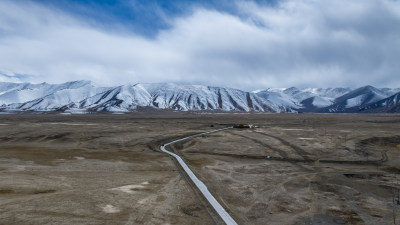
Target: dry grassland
x,y
107,169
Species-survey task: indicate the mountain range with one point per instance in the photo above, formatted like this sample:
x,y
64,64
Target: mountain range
x,y
84,96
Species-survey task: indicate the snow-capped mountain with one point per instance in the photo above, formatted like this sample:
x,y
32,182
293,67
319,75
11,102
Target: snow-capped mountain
x,y
83,95
390,105
25,92
326,100
278,97
197,97
78,96
295,98
356,99
121,98
48,97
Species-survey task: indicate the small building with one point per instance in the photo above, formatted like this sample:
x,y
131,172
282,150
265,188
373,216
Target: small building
x,y
241,126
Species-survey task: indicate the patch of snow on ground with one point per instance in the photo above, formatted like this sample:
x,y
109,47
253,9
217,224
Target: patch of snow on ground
x,y
77,111
3,124
130,188
79,158
110,209
75,124
305,138
18,168
143,201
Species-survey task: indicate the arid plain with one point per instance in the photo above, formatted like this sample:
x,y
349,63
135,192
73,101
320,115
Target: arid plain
x,y
108,169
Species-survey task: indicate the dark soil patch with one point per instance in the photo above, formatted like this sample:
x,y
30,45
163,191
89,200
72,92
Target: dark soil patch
x,y
47,191
6,191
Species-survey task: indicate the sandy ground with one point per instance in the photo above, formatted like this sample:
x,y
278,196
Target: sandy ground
x,y
107,169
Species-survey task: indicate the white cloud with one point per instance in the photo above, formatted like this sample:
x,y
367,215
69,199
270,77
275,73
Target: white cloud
x,y
299,42
9,78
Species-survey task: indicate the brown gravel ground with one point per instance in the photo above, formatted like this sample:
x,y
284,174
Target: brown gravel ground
x,y
107,169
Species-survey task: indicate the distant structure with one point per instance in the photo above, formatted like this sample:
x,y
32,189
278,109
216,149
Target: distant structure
x,y
241,126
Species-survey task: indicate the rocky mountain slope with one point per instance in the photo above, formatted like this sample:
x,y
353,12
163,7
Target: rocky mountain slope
x,y
387,105
328,100
84,96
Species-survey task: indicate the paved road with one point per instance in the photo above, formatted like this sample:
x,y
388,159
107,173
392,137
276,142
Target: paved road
x,y
199,184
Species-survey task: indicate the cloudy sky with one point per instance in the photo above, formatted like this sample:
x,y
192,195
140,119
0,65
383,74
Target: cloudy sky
x,y
241,44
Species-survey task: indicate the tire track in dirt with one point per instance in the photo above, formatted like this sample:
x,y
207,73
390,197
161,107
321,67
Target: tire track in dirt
x,y
283,154
298,150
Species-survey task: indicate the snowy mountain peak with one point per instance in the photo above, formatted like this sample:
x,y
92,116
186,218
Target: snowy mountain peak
x,y
326,99
83,95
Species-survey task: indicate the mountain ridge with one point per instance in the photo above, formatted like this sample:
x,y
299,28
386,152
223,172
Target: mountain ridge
x,y
84,96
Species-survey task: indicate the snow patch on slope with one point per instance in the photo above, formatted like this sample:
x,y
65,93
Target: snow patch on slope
x,y
322,101
352,102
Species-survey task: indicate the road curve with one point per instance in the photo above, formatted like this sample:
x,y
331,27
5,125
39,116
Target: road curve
x,y
199,184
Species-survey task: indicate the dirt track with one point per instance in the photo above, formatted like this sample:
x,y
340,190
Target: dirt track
x,y
106,169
